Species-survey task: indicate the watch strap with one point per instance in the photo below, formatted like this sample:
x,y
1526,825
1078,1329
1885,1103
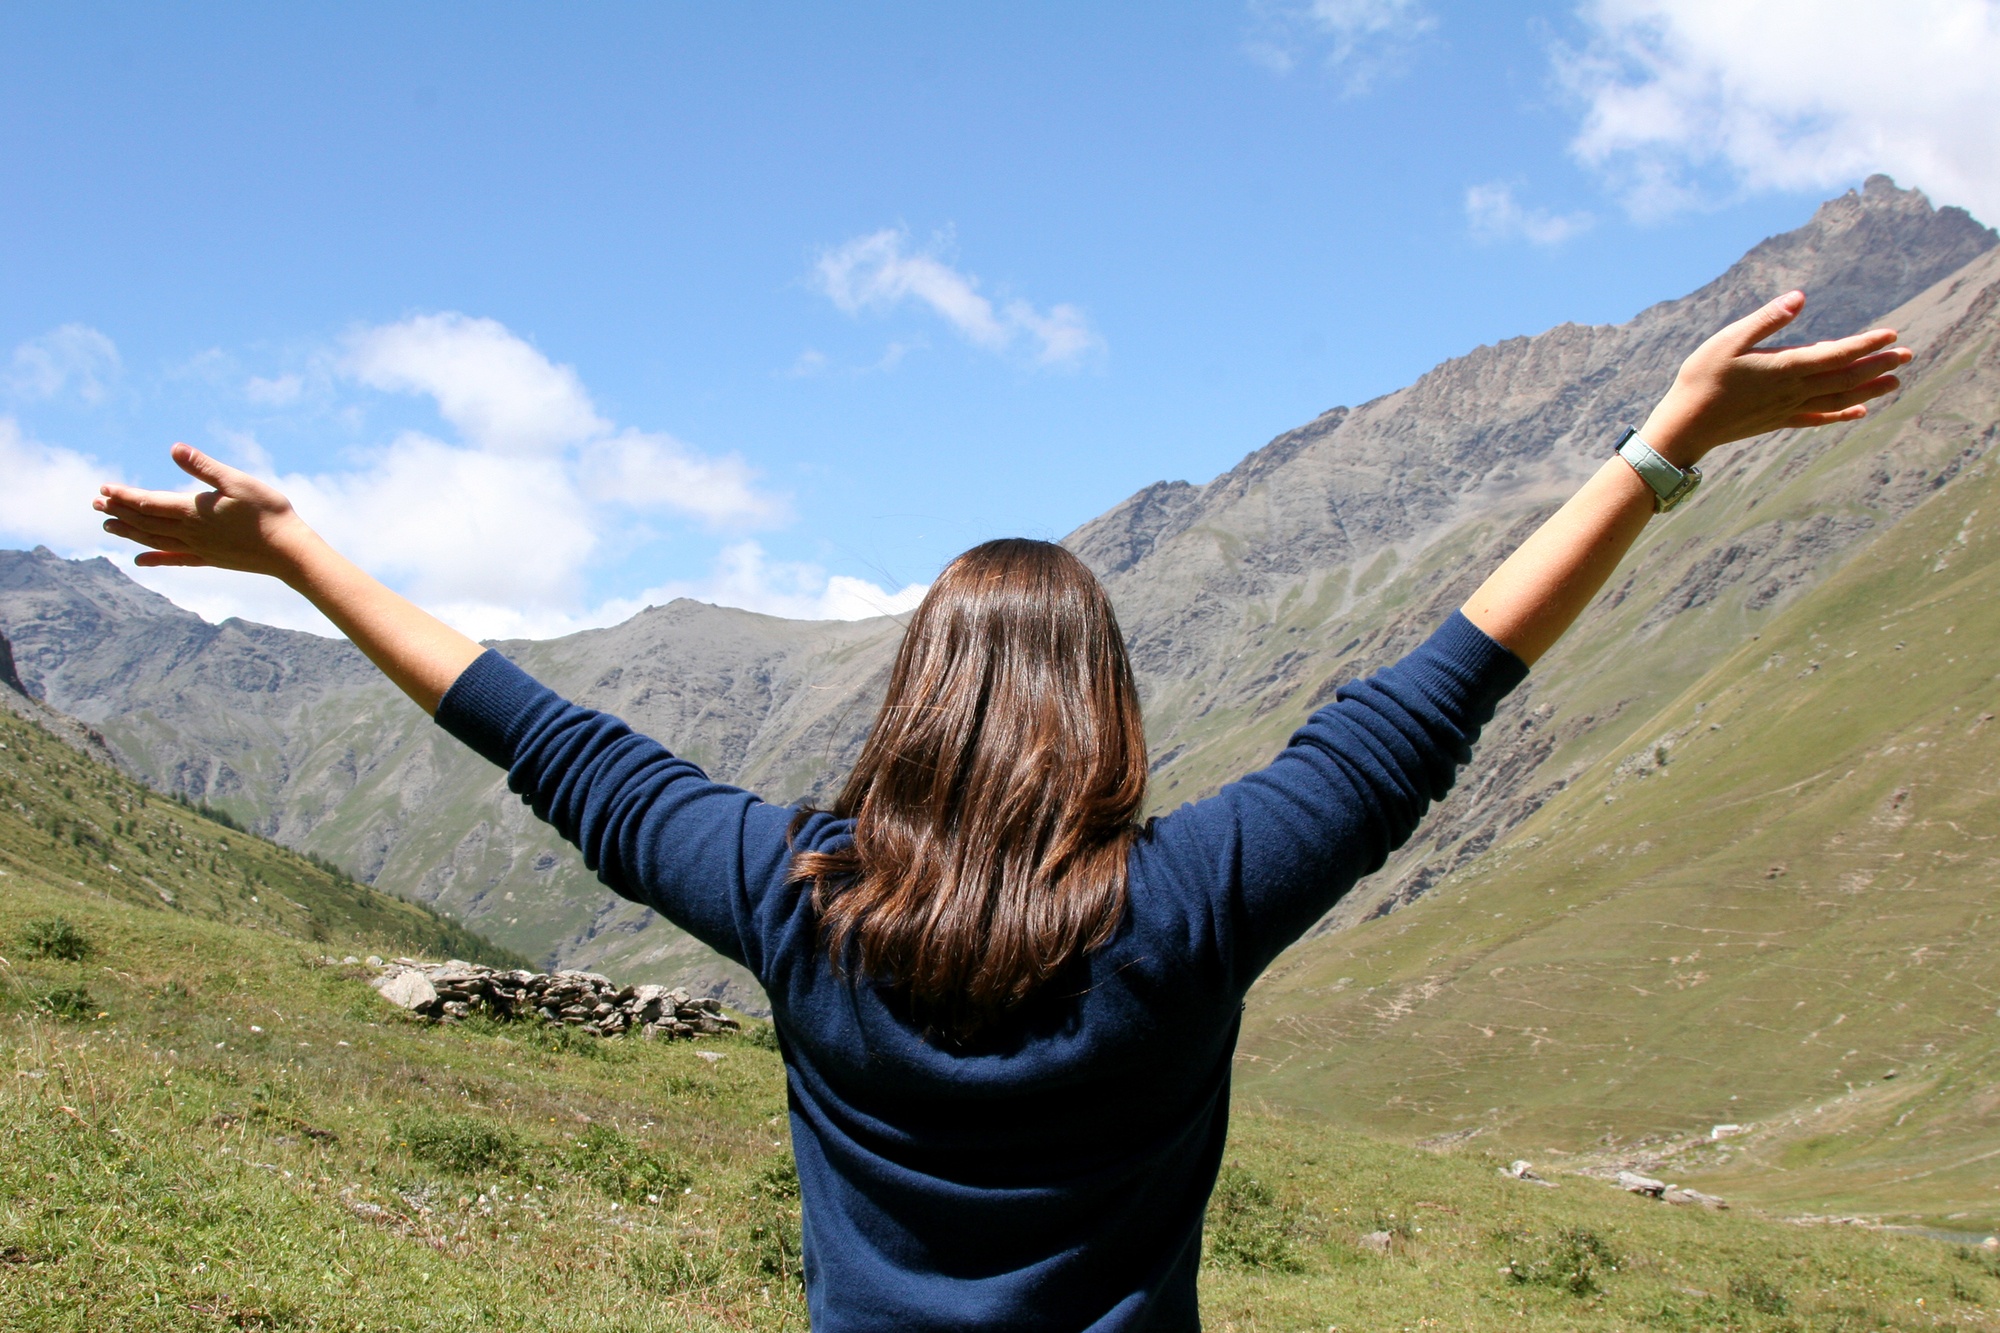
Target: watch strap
x,y
1670,485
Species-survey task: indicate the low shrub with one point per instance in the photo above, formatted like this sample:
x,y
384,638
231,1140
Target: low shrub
x,y
56,937
70,1002
461,1144
1247,1227
1571,1260
1758,1294
621,1168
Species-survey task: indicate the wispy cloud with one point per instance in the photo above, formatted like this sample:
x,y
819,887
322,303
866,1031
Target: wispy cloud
x,y
74,358
881,271
1685,101
1494,214
1361,40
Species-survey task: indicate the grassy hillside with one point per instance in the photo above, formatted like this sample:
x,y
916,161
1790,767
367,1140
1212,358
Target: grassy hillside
x,y
233,1134
1772,906
68,820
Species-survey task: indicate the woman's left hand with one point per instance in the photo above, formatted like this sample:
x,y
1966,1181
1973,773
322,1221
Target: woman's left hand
x,y
1729,388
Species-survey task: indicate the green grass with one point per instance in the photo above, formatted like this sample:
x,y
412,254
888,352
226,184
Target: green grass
x,y
234,1134
69,820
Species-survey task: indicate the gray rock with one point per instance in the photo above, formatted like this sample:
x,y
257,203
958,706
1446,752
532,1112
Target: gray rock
x,y
1522,1171
1638,1184
407,987
1378,1242
1683,1196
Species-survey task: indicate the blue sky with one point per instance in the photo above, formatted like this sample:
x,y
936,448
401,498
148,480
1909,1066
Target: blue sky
x,y
552,311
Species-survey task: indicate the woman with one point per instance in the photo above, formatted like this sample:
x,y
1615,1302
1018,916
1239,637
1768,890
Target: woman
x,y
1007,1008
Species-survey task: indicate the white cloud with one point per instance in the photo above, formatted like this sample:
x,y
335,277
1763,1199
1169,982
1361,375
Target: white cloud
x,y
46,499
74,356
510,401
455,525
652,471
880,271
1360,39
798,590
500,392
1683,98
1494,214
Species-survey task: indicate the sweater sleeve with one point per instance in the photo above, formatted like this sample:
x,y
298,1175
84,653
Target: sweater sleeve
x,y
653,826
1258,863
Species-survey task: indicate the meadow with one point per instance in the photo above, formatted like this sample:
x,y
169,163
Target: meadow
x,y
206,1124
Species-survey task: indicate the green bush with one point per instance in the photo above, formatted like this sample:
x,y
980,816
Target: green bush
x,y
461,1144
56,937
764,1036
1758,1294
71,1002
621,1168
1571,1260
1248,1228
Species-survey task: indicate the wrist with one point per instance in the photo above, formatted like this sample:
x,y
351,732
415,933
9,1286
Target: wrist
x,y
297,554
1669,435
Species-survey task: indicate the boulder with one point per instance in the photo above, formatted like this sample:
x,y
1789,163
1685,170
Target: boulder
x,y
407,987
1638,1184
1522,1171
1683,1196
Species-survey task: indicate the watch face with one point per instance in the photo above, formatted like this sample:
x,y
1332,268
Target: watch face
x,y
1681,492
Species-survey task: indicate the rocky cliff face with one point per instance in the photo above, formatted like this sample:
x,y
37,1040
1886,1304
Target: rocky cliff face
x,y
1326,553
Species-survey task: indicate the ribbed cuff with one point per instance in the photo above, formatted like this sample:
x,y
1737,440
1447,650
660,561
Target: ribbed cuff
x,y
490,706
1481,672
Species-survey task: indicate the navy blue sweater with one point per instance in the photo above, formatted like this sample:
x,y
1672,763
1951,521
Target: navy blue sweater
x,y
1054,1177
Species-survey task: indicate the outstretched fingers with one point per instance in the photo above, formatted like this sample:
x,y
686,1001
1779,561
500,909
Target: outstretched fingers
x,y
1846,398
159,559
159,541
1817,358
1763,322
131,502
1826,418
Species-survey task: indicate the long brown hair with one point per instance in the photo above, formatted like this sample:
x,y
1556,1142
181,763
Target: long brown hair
x,y
995,800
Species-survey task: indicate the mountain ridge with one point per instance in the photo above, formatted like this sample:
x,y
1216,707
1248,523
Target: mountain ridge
x,y
1327,551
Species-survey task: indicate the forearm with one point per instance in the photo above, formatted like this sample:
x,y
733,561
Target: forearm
x,y
416,650
1540,590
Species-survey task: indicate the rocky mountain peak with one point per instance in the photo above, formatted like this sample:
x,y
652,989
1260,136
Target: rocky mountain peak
x,y
1859,256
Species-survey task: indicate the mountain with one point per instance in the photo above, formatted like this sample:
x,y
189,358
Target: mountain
x,y
1322,555
1768,905
301,739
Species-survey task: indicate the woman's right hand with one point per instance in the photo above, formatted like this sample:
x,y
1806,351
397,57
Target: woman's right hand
x,y
242,523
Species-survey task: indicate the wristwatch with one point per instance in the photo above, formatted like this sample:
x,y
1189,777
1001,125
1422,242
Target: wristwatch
x,y
1670,484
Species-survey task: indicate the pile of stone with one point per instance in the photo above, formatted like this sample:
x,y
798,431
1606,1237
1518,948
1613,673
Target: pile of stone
x,y
582,1000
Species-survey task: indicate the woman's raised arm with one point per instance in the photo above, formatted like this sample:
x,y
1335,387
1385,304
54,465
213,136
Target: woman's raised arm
x,y
1729,389
246,524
